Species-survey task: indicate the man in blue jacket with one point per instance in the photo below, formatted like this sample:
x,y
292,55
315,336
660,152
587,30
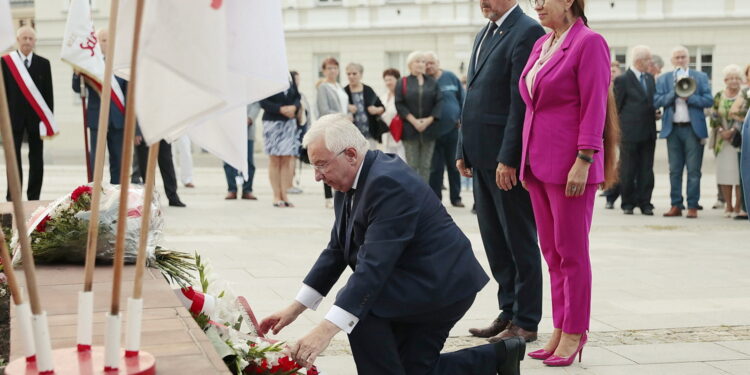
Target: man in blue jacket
x,y
684,127
414,272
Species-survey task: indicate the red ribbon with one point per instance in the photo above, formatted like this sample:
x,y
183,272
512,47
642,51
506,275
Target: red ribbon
x,y
198,299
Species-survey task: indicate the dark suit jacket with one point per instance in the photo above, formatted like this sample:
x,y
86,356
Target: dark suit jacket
x,y
20,110
493,112
636,107
93,104
272,105
421,103
370,99
407,254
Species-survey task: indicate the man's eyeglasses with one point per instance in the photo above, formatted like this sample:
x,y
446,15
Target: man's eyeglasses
x,y
322,167
537,3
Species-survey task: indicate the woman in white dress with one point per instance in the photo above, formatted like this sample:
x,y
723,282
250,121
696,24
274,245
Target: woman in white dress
x,y
725,128
390,78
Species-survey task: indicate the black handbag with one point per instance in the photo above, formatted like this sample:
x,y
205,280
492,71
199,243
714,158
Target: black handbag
x,y
378,128
736,140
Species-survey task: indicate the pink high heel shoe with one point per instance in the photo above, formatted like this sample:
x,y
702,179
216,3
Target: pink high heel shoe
x,y
556,361
540,354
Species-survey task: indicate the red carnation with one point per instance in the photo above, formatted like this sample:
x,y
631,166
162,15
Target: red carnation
x,y
83,189
42,226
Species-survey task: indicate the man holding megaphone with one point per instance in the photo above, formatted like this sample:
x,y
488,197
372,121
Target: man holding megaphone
x,y
684,94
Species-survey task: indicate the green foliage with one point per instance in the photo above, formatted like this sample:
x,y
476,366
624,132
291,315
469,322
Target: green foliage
x,y
175,266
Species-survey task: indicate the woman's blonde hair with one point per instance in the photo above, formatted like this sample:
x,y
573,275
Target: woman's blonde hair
x,y
413,57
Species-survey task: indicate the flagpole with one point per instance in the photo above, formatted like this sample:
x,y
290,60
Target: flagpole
x,y
112,341
23,313
86,297
39,320
85,128
135,303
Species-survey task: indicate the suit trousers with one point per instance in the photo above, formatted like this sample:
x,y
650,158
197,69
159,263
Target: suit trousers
x,y
166,167
637,173
114,147
419,155
231,173
444,158
36,157
564,224
506,223
411,345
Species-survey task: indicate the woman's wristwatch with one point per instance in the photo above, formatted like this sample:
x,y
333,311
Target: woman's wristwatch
x,y
586,158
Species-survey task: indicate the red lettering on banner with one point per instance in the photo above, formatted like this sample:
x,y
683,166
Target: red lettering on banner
x,y
216,4
90,43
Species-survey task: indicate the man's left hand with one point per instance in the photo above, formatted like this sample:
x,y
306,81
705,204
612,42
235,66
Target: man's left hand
x,y
306,349
505,177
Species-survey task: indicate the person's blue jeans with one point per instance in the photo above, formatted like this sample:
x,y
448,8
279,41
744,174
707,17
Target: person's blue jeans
x,y
232,173
684,149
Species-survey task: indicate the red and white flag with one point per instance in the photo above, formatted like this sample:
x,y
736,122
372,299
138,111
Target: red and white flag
x,y
200,64
81,49
7,36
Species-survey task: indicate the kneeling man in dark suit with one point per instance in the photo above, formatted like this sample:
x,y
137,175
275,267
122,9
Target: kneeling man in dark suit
x,y
415,274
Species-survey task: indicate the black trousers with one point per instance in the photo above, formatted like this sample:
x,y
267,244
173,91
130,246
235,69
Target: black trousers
x,y
166,167
506,223
637,173
411,345
36,157
444,158
114,147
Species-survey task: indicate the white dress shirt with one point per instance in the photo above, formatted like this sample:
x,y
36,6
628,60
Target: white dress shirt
x,y
681,113
499,23
24,57
311,298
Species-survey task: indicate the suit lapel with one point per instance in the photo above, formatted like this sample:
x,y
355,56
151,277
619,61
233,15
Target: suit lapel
x,y
556,57
367,163
477,40
634,81
499,35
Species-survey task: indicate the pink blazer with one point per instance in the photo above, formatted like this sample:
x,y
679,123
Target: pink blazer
x,y
569,106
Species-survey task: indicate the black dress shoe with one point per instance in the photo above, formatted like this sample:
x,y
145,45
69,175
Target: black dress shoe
x,y
510,353
627,211
458,204
648,211
177,203
610,205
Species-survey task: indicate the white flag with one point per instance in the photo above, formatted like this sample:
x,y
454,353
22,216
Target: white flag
x,y
200,64
7,36
80,46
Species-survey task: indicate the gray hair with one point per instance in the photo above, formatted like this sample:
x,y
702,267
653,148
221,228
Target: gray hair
x,y
639,52
357,66
431,54
680,49
733,69
25,28
413,57
338,132
658,61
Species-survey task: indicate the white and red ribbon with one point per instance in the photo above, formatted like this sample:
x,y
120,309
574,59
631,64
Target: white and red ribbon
x,y
47,125
197,302
117,95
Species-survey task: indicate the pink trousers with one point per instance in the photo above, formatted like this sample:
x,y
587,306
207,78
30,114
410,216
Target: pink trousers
x,y
563,226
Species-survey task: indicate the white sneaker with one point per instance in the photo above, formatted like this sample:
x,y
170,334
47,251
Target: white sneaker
x,y
718,205
329,202
294,190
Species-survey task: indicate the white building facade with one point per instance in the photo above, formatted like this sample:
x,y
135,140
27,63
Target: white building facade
x,y
380,33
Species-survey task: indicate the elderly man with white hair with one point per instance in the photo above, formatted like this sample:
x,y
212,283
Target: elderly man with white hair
x,y
684,127
414,272
634,93
28,86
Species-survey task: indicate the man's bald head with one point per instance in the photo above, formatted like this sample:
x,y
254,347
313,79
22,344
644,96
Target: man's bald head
x,y
26,37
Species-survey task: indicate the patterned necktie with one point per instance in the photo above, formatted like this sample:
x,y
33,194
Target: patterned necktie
x,y
26,62
643,82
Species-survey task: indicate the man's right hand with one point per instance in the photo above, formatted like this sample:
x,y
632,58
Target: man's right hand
x,y
466,172
277,321
138,140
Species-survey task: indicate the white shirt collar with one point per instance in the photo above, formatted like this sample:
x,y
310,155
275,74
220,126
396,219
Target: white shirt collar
x,y
637,72
31,54
359,171
505,16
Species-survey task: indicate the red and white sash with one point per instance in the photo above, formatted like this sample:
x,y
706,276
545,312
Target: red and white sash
x,y
47,125
117,96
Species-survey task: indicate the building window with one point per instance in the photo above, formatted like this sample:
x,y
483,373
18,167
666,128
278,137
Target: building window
x,y
397,59
619,54
702,59
318,61
329,2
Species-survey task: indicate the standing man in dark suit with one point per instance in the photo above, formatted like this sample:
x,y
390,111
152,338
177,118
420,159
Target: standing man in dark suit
x,y
634,91
116,118
490,151
415,274
23,117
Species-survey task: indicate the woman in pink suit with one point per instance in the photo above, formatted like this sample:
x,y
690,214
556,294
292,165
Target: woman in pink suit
x,y
569,138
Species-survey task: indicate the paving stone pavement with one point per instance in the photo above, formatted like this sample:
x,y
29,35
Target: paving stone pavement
x,y
670,295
